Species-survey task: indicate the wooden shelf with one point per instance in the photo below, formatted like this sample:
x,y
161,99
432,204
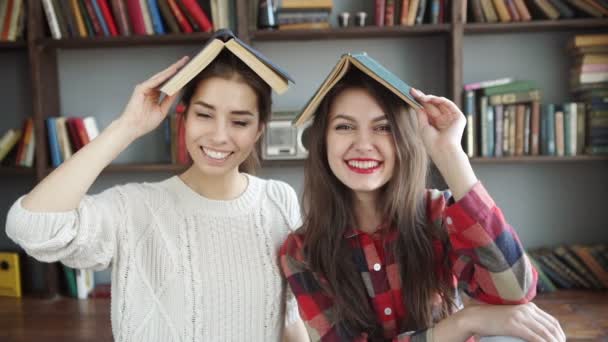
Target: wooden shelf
x,y
537,26
18,45
537,159
17,171
128,41
350,33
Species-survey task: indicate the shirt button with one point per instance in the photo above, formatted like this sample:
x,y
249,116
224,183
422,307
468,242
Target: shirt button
x,y
377,267
448,220
388,311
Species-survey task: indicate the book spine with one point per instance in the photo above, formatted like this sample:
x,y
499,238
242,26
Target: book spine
x,y
157,22
120,14
137,18
107,16
421,12
520,112
199,15
168,16
523,11
535,128
527,130
498,136
145,11
580,128
82,30
559,133
51,19
404,12
7,20
380,6
53,142
88,23
188,16
181,20
501,9
94,19
100,18
389,13
512,98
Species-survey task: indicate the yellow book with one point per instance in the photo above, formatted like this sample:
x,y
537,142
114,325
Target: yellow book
x,y
306,4
275,77
10,276
502,11
82,30
8,141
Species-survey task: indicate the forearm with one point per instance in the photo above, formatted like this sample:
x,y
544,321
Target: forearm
x,y
456,170
63,189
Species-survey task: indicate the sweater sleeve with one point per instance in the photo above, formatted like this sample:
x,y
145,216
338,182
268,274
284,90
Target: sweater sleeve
x,y
85,237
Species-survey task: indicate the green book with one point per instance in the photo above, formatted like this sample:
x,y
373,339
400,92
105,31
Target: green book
x,y
513,87
369,66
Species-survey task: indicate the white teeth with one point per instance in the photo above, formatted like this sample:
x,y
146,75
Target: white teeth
x,y
215,154
363,164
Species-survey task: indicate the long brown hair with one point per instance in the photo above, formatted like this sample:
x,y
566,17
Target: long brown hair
x,y
228,66
328,213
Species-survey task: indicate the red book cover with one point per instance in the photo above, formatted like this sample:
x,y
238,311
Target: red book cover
x,y
136,16
7,20
73,133
82,132
107,15
179,16
380,10
199,15
94,19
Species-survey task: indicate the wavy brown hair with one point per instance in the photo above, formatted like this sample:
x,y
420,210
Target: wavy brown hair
x,y
328,212
228,66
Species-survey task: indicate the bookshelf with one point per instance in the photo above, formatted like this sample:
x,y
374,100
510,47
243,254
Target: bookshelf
x,y
42,53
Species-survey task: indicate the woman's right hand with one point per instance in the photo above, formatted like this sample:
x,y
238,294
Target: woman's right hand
x,y
144,112
526,321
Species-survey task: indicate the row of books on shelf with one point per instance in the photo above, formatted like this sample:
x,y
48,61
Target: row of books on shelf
x,y
571,267
589,71
298,14
67,135
504,11
17,146
505,118
12,20
410,12
90,18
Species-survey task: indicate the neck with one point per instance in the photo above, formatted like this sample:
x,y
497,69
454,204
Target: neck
x,y
222,187
366,211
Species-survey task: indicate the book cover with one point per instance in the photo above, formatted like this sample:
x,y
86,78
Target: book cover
x,y
369,66
168,17
119,8
272,74
10,275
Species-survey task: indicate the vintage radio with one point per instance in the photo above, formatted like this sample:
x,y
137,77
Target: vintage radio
x,y
283,141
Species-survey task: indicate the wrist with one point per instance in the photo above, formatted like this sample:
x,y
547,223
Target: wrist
x,y
123,131
466,320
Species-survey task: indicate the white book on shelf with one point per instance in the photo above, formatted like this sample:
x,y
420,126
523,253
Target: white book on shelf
x,y
51,18
90,125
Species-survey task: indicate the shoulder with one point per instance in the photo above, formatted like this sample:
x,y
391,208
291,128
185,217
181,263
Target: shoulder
x,y
279,191
291,254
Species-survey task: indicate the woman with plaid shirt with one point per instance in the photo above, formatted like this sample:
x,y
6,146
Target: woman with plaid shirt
x,y
379,258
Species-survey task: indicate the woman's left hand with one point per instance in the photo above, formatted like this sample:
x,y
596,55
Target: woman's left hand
x,y
441,123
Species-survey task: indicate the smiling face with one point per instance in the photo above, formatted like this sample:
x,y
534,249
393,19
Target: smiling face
x,y
360,146
222,125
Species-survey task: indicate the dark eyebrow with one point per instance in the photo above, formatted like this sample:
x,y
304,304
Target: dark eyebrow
x,y
237,112
350,118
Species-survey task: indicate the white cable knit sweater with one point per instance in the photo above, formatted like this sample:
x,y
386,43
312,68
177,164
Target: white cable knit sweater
x,y
184,267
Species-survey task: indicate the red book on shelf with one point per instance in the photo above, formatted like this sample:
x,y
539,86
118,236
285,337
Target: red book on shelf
x,y
81,130
136,16
179,16
94,20
73,133
380,11
7,20
107,15
199,15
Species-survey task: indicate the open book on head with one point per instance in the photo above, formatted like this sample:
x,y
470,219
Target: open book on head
x,y
274,76
367,65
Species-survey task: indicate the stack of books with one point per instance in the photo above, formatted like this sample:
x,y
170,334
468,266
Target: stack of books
x,y
571,267
589,84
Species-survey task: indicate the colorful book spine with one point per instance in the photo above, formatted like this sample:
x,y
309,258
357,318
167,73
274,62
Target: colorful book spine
x,y
100,18
107,16
157,22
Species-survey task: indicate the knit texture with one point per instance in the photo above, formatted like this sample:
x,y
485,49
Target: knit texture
x,y
184,267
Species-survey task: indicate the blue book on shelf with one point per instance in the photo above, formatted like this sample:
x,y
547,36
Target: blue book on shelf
x,y
491,128
157,23
102,21
51,127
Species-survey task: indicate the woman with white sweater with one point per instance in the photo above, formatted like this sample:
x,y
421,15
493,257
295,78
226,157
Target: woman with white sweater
x,y
194,257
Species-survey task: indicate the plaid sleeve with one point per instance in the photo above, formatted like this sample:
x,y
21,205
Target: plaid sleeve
x,y
486,254
314,304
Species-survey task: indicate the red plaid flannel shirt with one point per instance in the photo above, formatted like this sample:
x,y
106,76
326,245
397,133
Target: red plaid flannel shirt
x,y
487,259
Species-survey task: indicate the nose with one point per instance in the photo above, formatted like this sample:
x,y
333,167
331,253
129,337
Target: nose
x,y
220,132
364,141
